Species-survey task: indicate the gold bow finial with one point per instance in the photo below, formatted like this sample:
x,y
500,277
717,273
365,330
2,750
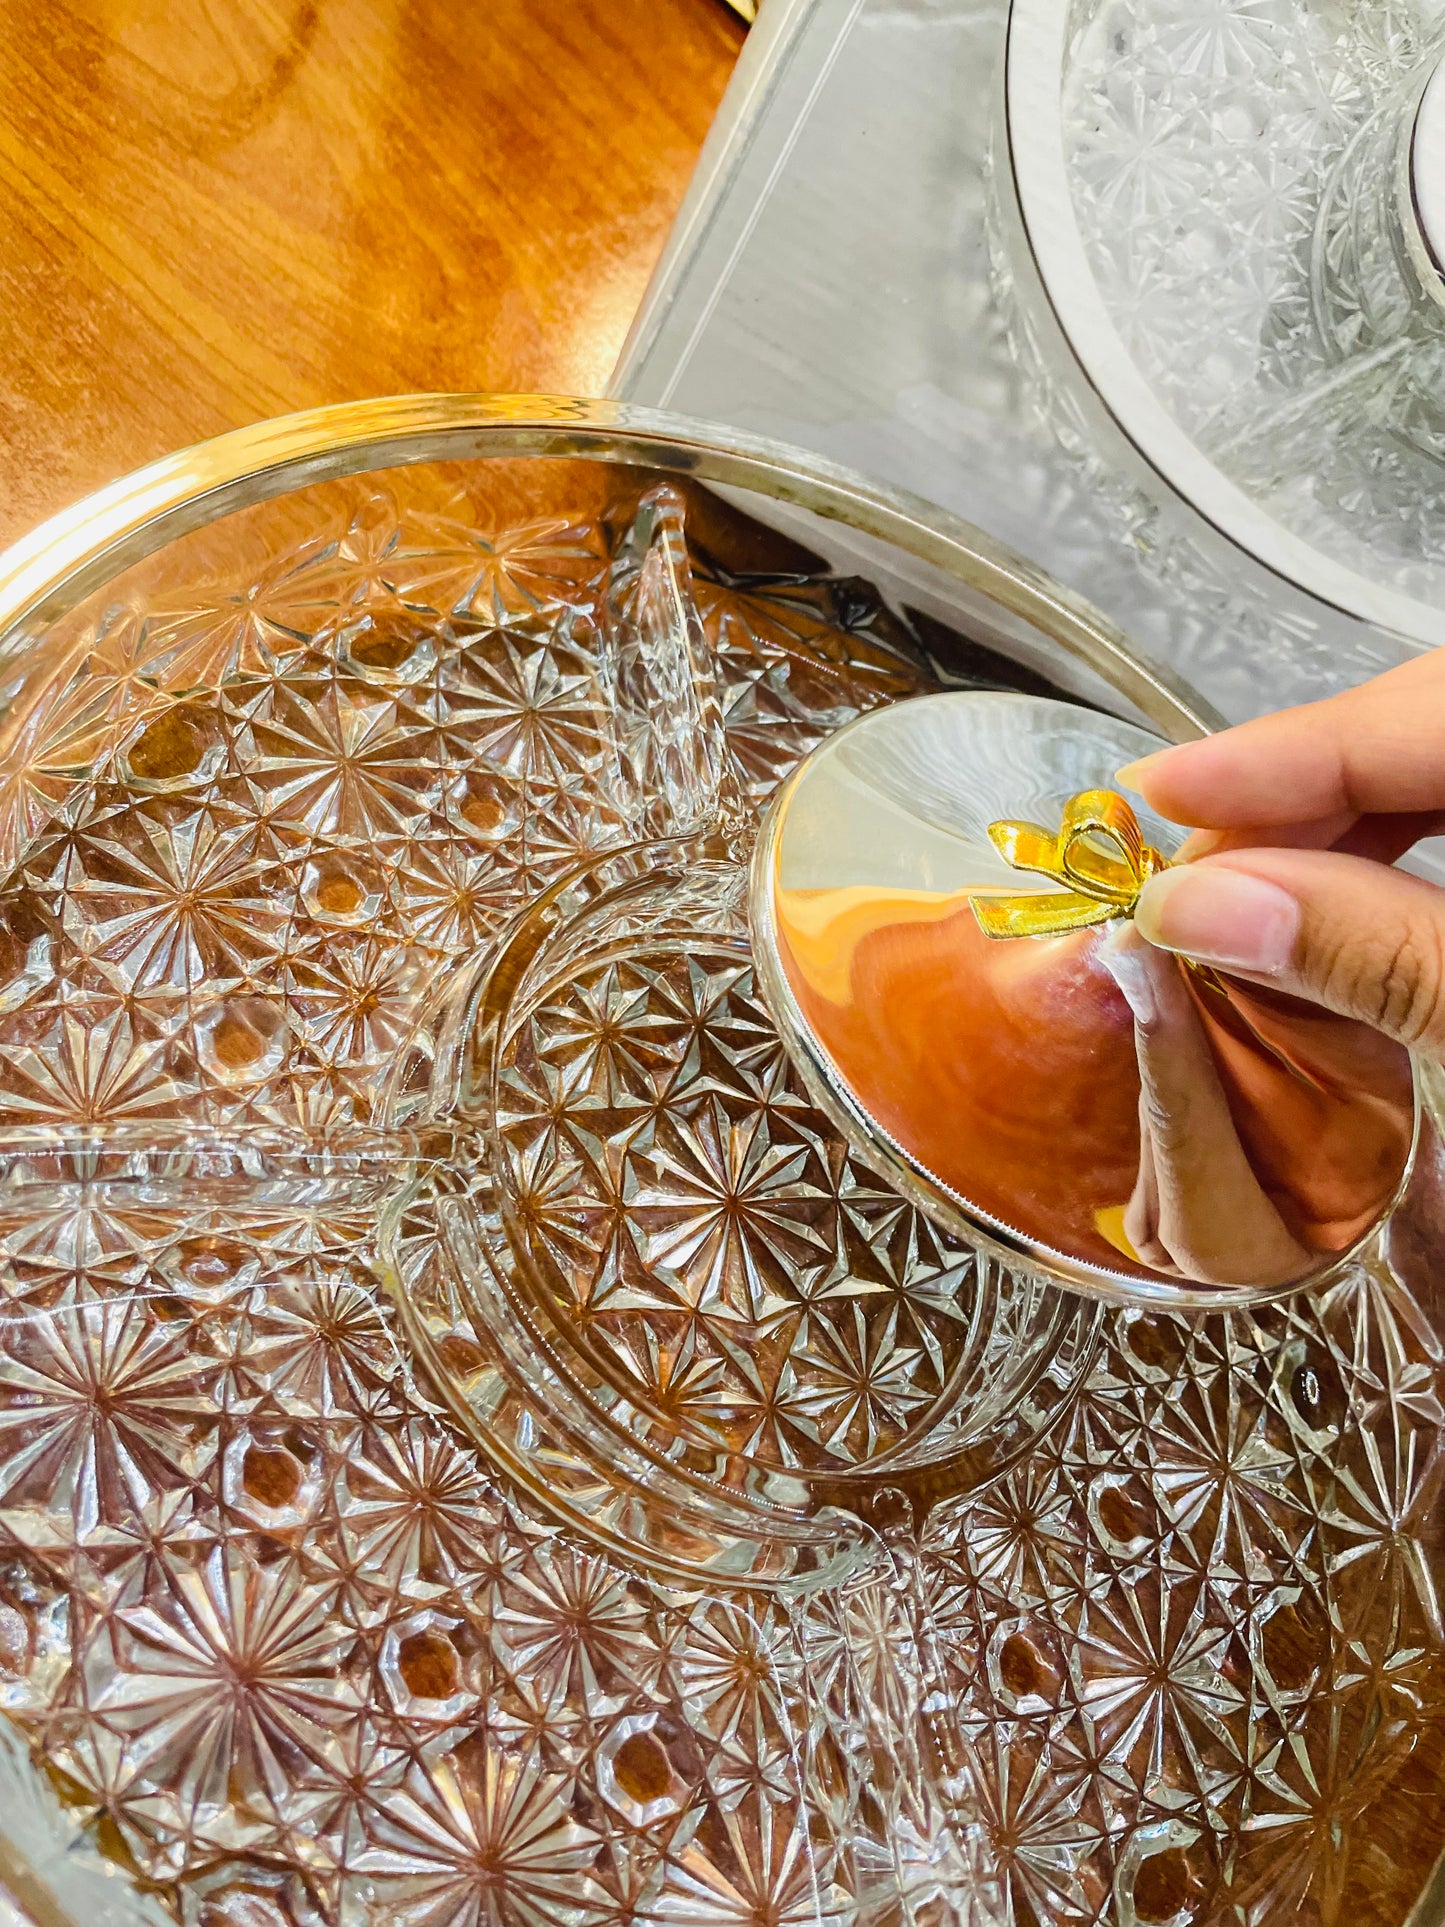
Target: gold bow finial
x,y
1099,852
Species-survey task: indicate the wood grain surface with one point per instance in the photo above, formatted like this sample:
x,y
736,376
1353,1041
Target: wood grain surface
x,y
217,210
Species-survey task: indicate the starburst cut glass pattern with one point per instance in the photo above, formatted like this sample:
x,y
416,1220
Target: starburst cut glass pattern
x,y
699,1257
738,1265
303,1633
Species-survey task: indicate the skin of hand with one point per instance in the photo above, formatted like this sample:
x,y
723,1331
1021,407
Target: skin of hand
x,y
1198,1209
1298,817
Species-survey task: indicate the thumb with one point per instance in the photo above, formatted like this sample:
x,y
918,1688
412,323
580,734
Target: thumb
x,y
1359,938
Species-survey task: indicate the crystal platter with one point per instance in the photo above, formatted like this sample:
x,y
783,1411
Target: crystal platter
x,y
326,1593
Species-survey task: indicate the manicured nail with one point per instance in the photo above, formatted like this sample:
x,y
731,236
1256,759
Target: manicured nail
x,y
1220,916
1129,775
1130,970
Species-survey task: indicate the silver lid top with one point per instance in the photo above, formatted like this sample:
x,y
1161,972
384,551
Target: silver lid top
x,y
1130,1124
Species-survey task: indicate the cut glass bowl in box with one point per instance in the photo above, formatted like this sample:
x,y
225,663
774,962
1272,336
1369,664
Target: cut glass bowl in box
x,y
1232,214
350,1574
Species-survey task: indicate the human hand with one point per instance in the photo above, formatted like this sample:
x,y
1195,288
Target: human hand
x,y
1198,1208
1301,814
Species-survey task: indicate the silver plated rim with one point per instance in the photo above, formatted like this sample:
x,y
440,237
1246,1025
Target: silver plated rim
x,y
77,551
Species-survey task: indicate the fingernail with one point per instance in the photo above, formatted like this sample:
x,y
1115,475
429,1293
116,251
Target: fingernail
x,y
1200,843
1220,916
1131,973
1130,773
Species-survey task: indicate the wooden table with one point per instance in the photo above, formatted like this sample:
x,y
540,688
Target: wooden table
x,y
217,210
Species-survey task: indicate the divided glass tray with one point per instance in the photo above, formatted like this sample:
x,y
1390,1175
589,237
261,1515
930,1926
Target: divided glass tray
x,y
333,1585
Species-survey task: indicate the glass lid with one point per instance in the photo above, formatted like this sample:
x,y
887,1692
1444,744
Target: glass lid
x,y
1235,212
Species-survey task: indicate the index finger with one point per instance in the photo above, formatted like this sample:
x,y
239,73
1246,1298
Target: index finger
x,y
1375,750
